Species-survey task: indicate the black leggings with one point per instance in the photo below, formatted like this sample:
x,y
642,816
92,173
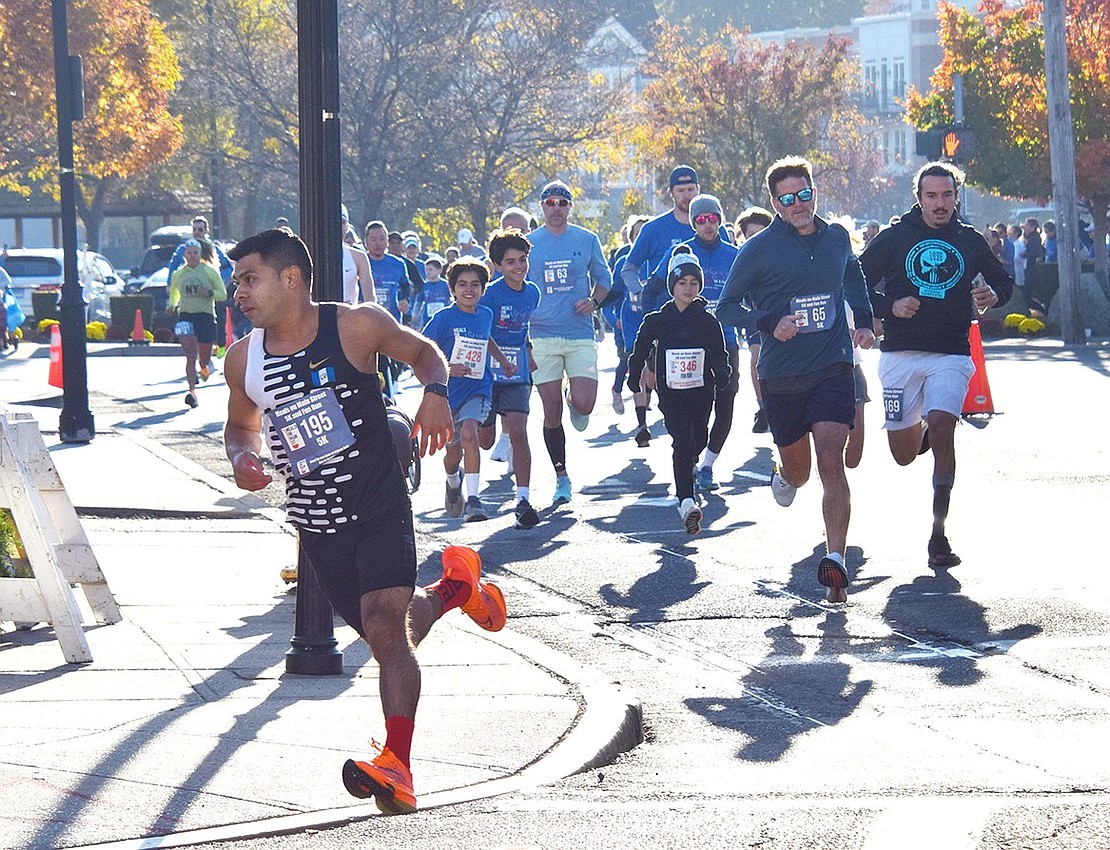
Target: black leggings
x,y
688,425
621,372
724,403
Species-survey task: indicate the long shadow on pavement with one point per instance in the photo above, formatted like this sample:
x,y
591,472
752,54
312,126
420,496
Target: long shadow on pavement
x,y
269,646
784,696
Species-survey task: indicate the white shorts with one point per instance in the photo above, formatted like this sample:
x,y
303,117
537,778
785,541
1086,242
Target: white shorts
x,y
917,382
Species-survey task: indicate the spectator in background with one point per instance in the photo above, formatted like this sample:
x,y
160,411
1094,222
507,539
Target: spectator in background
x,y
995,243
1034,256
1007,247
1050,241
1014,232
870,231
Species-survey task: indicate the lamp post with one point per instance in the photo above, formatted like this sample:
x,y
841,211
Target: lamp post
x,y
76,422
313,646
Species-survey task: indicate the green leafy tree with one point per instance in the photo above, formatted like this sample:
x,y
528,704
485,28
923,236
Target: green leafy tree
x,y
130,68
731,105
1000,54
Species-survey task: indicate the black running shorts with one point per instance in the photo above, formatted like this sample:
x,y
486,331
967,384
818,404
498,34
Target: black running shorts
x,y
368,556
791,415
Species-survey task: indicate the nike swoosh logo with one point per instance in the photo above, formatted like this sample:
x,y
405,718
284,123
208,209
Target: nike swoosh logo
x,y
317,364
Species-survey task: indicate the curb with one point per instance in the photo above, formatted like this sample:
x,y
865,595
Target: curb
x,y
610,722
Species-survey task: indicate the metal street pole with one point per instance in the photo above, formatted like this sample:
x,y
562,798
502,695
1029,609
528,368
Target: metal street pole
x,y
1062,152
76,422
314,647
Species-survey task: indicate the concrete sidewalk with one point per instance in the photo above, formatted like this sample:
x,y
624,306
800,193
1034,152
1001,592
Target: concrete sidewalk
x,y
185,727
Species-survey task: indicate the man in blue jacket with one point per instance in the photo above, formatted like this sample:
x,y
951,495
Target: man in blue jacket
x,y
790,282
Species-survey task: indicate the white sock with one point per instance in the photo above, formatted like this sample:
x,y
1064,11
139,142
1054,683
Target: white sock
x,y
709,459
836,556
522,493
470,480
453,478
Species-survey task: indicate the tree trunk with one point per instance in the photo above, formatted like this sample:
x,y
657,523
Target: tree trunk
x,y
92,212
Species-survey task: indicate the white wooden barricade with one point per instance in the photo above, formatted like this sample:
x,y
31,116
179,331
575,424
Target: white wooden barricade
x,y
55,543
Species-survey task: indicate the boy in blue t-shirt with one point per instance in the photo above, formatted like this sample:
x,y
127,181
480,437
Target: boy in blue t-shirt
x,y
462,331
434,295
513,299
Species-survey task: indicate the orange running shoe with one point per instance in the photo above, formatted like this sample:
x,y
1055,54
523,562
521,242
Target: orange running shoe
x,y
385,779
486,605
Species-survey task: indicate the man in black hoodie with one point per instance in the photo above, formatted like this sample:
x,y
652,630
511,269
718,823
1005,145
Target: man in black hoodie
x,y
930,262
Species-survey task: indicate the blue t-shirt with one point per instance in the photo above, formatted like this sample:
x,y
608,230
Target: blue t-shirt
x,y
716,263
565,268
655,238
512,311
464,337
433,297
391,283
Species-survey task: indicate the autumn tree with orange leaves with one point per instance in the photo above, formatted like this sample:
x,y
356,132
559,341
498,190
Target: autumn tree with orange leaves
x,y
731,105
1000,53
129,71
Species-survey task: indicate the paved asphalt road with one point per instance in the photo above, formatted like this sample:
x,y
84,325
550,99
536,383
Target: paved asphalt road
x,y
957,710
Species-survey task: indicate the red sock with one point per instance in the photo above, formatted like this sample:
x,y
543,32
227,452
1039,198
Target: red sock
x,y
398,736
451,592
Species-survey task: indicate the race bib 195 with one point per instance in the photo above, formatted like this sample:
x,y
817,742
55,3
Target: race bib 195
x,y
312,429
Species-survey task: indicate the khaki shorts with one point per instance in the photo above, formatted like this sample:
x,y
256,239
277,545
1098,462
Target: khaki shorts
x,y
555,357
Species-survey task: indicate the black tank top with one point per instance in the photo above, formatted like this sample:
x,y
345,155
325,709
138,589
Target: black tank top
x,y
362,483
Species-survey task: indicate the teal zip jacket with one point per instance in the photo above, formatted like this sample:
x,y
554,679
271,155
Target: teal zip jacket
x,y
779,273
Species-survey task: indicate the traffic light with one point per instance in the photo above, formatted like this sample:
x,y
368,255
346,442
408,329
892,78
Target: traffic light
x,y
958,144
927,144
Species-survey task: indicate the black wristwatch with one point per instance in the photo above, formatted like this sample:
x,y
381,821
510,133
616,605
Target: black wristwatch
x,y
438,389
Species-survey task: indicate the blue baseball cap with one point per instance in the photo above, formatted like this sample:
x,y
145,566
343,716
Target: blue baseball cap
x,y
683,175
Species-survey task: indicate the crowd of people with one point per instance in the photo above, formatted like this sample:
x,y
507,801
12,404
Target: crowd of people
x,y
481,327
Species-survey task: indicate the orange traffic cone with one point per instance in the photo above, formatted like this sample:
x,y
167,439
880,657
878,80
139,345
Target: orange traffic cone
x,y
978,401
55,377
138,335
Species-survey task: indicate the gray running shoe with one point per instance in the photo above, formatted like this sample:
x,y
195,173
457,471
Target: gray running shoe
x,y
475,512
453,501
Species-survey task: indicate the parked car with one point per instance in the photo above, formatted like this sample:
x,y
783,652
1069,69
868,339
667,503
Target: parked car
x,y
41,268
163,242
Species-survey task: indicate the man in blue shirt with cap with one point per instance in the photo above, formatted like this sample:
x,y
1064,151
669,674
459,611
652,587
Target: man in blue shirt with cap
x,y
664,231
569,267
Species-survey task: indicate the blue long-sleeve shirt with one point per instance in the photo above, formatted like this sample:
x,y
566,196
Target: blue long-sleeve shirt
x,y
779,273
655,239
566,267
716,262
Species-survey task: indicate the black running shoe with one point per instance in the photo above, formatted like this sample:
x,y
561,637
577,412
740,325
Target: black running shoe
x,y
190,400
526,515
941,556
643,437
760,425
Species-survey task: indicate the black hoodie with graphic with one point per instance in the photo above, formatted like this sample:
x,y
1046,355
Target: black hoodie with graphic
x,y
937,266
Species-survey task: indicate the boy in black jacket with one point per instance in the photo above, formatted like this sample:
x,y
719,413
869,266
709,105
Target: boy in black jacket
x,y
690,360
